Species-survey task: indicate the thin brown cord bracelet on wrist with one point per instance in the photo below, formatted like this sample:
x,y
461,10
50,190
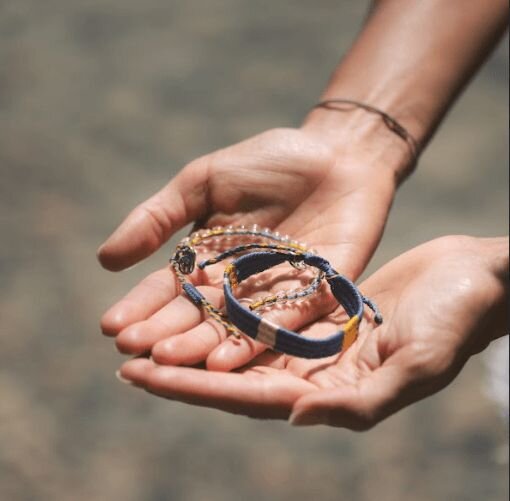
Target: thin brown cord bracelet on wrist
x,y
388,120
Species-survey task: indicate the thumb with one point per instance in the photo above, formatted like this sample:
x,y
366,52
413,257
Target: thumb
x,y
358,407
154,221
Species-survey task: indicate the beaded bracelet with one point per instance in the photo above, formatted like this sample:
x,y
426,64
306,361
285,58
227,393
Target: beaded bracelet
x,y
184,260
185,254
279,338
280,297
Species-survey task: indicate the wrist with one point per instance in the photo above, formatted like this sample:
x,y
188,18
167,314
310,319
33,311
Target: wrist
x,y
496,255
366,135
496,250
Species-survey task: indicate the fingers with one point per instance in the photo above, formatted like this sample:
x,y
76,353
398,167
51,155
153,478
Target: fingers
x,y
191,347
234,353
358,407
152,223
264,393
151,294
179,315
203,340
208,341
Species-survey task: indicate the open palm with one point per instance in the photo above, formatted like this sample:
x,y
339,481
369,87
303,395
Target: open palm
x,y
440,300
284,179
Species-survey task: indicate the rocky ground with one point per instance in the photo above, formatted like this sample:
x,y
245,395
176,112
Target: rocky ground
x,y
101,101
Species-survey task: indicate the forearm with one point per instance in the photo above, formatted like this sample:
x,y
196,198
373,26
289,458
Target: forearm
x,y
412,59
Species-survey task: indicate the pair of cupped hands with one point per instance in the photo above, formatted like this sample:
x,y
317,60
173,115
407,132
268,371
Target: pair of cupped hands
x,y
435,298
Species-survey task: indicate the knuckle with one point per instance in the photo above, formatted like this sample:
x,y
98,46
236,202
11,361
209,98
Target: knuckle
x,y
427,362
355,420
214,294
159,219
365,419
156,381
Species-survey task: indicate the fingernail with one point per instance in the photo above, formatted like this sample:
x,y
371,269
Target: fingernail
x,y
305,419
122,379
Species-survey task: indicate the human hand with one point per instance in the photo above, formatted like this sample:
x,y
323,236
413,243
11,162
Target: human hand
x,y
334,194
442,302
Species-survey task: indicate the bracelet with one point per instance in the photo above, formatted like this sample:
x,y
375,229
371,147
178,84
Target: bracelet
x,y
282,296
184,260
388,120
279,338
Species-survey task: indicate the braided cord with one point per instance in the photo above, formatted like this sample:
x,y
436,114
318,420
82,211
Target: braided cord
x,y
200,300
390,122
185,250
282,296
279,338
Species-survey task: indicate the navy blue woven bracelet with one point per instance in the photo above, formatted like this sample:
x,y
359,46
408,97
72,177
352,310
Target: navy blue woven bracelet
x,y
279,338
184,260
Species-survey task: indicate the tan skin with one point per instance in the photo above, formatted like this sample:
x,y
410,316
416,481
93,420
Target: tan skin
x,y
307,184
440,301
330,183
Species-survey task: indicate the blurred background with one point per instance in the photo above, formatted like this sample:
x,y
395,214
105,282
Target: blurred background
x,y
101,102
